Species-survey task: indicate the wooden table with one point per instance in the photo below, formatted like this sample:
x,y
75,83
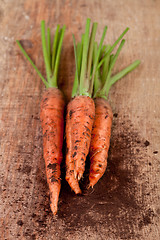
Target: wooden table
x,y
125,203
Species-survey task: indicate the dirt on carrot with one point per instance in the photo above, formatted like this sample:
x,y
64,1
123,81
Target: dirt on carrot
x,y
103,81
100,140
52,120
52,110
79,121
81,109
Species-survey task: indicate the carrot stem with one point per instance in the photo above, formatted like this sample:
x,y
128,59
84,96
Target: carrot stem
x,y
76,80
105,66
123,72
54,47
75,89
51,59
103,50
83,89
79,53
104,90
97,59
49,45
45,52
33,65
85,66
56,67
113,46
97,82
90,50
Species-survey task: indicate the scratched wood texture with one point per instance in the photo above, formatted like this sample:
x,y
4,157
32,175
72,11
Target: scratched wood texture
x,y
125,203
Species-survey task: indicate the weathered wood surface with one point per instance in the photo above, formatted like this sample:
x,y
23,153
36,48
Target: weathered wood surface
x,y
125,203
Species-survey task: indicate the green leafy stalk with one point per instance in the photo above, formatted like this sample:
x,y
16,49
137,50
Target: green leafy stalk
x,y
97,82
112,47
90,51
105,67
33,65
85,65
54,47
104,91
55,75
50,58
124,72
45,52
97,58
94,64
79,53
113,60
49,44
83,88
76,80
103,51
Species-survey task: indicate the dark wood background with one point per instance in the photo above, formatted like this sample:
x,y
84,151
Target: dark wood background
x,y
125,203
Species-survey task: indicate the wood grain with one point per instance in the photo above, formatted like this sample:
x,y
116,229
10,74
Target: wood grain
x,y
125,204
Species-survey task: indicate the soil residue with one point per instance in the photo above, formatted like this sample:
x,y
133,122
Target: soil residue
x,y
113,206
113,200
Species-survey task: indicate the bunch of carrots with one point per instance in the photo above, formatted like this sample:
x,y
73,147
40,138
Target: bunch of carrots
x,y
88,116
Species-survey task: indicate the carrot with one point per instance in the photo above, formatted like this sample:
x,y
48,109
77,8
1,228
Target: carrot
x,y
79,121
52,112
101,132
52,120
81,109
100,140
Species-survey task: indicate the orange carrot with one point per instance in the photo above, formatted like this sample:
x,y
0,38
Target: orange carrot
x,y
81,109
100,140
79,121
52,112
52,120
101,132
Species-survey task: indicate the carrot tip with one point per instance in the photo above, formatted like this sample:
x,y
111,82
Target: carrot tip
x,y
75,175
90,185
79,193
53,209
79,176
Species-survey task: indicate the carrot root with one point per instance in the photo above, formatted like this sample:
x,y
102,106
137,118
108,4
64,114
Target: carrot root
x,y
100,140
79,122
52,120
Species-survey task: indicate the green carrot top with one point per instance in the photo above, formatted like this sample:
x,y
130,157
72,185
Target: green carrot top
x,y
95,62
85,67
51,54
103,77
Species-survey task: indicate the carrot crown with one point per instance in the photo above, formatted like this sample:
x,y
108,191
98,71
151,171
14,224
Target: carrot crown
x,y
85,67
51,54
103,77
